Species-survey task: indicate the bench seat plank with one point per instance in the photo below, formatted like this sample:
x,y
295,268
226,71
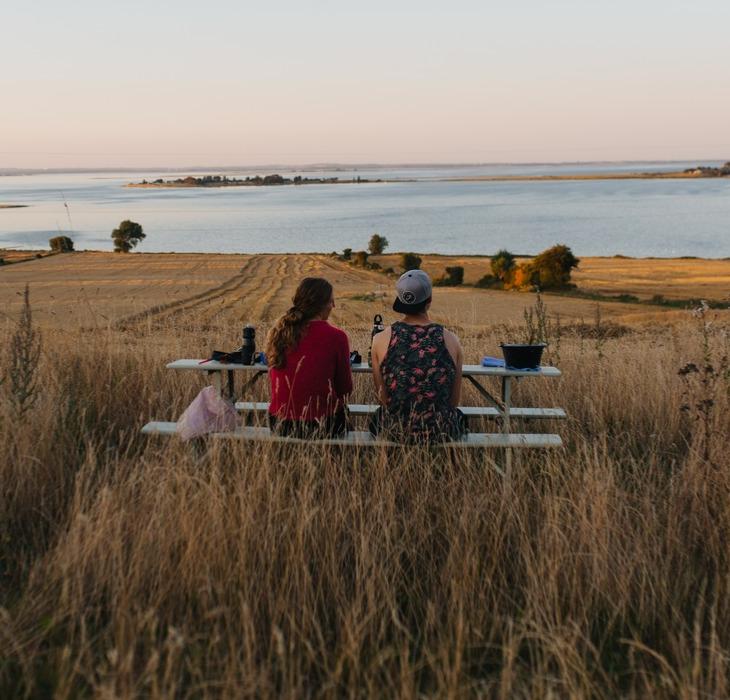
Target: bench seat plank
x,y
364,438
363,409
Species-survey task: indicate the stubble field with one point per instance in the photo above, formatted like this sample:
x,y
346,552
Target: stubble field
x,y
134,568
96,289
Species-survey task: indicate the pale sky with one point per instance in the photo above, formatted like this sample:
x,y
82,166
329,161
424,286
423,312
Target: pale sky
x,y
231,83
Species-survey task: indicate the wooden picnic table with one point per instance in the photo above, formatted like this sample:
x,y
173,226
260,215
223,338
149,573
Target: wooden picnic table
x,y
472,373
501,408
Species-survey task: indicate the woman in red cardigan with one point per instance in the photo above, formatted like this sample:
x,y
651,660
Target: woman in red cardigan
x,y
309,366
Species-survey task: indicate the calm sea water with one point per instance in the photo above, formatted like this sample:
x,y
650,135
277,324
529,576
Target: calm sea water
x,y
630,217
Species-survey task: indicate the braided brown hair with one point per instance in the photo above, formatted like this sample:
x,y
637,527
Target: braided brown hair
x,y
312,295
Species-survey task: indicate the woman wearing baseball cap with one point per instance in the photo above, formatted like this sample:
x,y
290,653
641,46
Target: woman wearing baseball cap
x,y
309,366
417,369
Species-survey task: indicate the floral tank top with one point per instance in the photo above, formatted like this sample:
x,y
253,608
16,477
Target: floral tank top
x,y
418,374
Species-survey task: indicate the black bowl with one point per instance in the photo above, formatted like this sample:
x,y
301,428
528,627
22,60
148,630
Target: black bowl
x,y
522,356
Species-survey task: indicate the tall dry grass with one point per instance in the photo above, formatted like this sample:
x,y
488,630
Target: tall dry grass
x,y
133,568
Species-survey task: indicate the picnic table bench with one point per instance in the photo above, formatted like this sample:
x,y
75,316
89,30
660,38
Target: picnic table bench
x,y
501,409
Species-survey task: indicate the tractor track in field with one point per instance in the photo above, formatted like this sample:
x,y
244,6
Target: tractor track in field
x,y
189,305
253,294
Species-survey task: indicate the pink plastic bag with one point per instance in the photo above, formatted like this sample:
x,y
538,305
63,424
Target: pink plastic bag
x,y
209,412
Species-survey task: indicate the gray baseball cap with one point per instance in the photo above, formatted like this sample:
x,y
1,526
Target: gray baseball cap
x,y
412,289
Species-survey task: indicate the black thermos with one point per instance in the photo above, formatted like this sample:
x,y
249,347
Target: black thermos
x,y
248,349
377,327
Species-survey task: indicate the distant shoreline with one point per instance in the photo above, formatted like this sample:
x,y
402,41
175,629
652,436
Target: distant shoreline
x,y
216,182
677,175
13,206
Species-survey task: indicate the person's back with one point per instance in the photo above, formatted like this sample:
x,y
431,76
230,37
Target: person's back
x,y
417,369
309,365
315,378
418,375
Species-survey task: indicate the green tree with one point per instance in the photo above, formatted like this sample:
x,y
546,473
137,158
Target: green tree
x,y
410,261
61,244
502,263
126,236
347,253
551,269
377,244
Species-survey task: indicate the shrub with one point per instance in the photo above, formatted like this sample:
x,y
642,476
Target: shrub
x,y
61,244
126,236
489,282
453,278
410,261
347,253
502,263
551,268
377,244
360,258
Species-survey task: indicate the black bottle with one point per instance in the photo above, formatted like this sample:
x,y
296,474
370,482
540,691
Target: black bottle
x,y
248,348
377,327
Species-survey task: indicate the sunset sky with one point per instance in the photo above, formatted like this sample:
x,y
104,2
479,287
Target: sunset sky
x,y
231,83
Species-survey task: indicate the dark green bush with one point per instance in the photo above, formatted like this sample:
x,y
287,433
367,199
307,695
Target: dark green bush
x,y
453,278
410,261
61,244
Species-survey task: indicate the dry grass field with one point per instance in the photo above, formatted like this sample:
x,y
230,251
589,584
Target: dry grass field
x,y
134,567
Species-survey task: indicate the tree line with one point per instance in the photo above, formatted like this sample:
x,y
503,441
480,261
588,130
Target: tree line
x,y
549,270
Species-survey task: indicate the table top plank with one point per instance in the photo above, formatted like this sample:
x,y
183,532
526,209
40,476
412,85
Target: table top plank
x,y
467,370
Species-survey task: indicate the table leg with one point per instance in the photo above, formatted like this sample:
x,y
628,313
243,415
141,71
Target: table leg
x,y
506,404
250,383
503,406
485,394
216,380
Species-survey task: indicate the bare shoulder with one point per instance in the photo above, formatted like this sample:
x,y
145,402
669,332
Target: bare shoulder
x,y
452,344
381,340
451,338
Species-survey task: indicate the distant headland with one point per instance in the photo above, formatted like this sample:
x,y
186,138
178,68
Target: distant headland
x,y
256,181
700,171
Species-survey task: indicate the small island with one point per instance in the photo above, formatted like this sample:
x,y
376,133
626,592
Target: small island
x,y
13,206
705,171
257,181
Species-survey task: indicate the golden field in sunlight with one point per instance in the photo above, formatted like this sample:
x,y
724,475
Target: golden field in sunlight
x,y
96,289
139,567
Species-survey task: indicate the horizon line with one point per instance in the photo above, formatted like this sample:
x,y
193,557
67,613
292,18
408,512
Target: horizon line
x,y
334,165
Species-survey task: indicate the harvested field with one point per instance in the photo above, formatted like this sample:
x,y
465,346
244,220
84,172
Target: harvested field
x,y
676,278
94,290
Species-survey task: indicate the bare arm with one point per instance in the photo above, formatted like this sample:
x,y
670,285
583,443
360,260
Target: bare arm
x,y
457,355
379,349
